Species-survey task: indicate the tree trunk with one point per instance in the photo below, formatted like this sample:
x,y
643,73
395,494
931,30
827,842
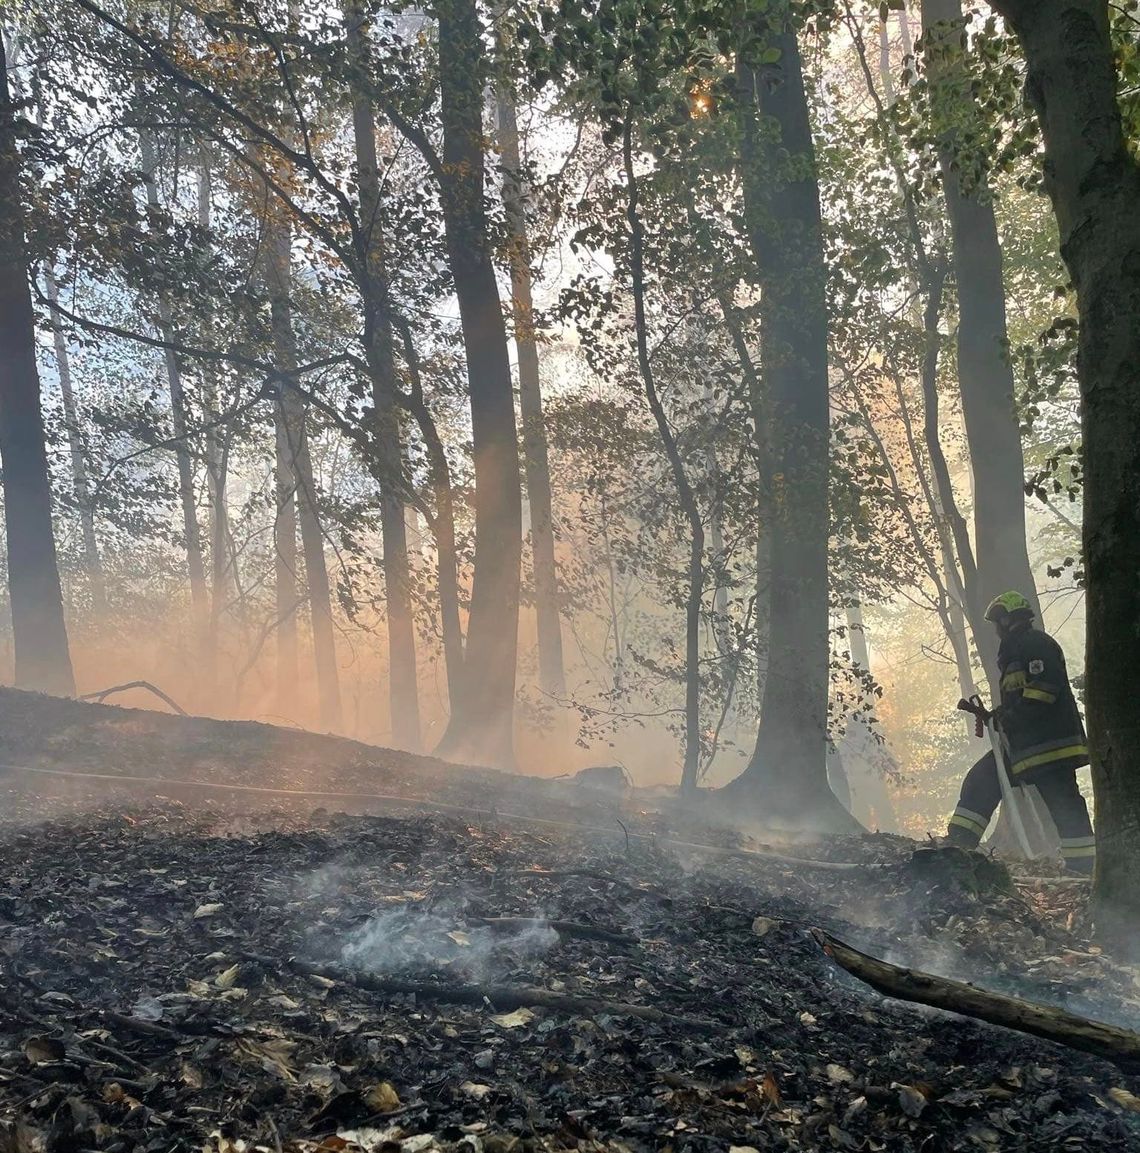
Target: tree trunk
x,y
686,498
295,465
1094,184
277,281
379,348
535,453
195,564
985,373
79,478
316,571
481,728
443,524
871,802
42,658
217,466
787,773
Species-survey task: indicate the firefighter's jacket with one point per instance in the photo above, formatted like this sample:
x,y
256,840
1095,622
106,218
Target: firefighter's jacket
x,y
1041,728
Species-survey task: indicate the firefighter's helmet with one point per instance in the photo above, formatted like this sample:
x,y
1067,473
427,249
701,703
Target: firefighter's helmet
x,y
1010,604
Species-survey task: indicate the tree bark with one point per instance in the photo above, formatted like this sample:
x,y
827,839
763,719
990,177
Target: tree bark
x,y
199,596
443,523
1094,184
481,728
79,479
985,373
379,349
686,498
217,466
871,802
42,657
551,673
294,465
787,773
286,599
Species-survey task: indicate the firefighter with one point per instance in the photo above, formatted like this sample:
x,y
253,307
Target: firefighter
x,y
1042,737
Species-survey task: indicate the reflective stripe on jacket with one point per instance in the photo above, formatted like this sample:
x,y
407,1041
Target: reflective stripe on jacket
x,y
1041,726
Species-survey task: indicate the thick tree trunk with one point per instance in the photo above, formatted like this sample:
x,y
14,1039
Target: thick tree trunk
x,y
379,347
985,373
42,658
79,479
787,774
1094,184
199,596
481,728
535,452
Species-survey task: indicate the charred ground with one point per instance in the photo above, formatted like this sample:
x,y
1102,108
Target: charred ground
x,y
147,1000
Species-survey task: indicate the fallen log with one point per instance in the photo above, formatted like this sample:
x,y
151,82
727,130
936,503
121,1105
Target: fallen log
x,y
500,996
1064,1028
562,928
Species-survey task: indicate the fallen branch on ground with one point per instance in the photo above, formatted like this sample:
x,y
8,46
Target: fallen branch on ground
x,y
1064,1028
562,928
100,696
502,997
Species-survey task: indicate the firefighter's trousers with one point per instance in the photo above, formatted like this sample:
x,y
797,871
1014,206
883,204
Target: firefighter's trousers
x,y
981,795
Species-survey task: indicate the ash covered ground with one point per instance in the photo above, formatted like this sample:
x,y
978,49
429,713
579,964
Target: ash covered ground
x,y
177,972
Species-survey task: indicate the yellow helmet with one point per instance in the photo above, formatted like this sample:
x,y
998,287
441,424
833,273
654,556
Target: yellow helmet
x,y
1008,604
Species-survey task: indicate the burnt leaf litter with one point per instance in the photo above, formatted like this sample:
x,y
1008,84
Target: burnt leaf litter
x,y
222,972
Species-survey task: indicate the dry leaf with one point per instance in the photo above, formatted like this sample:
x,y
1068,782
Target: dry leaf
x,y
513,1020
382,1097
460,938
208,910
769,1089
838,1075
44,1050
911,1101
474,1090
226,978
1125,1099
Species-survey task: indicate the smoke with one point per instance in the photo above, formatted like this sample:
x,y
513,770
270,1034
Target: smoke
x,y
406,939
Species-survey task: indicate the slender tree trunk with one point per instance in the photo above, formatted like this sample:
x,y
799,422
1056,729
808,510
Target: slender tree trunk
x,y
286,432
79,478
316,571
1094,184
535,450
873,805
199,596
42,657
216,461
294,464
481,729
686,498
788,769
443,523
403,693
985,373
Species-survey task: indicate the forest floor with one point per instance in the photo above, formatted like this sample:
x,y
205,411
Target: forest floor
x,y
159,943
